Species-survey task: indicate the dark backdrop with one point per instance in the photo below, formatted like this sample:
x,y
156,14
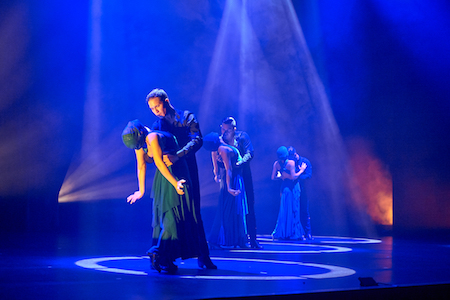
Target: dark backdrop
x,y
384,68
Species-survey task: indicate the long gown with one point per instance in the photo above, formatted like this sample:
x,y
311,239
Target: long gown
x,y
229,227
175,229
288,224
186,130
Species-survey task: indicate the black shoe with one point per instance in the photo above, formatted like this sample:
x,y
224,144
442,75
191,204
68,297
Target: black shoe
x,y
206,262
309,237
154,262
255,245
170,268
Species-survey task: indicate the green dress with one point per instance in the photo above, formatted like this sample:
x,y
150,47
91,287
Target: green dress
x,y
175,233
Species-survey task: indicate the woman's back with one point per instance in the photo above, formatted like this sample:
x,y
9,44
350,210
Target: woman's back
x,y
231,153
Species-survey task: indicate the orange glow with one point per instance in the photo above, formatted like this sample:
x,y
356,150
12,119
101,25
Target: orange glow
x,y
373,181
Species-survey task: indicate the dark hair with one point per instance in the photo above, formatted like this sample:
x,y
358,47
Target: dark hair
x,y
291,151
229,121
282,153
211,141
291,156
157,93
134,134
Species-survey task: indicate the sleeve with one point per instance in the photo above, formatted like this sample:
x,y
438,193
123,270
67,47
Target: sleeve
x,y
156,125
195,136
308,171
245,145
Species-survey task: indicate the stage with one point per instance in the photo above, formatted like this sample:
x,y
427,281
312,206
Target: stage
x,y
94,266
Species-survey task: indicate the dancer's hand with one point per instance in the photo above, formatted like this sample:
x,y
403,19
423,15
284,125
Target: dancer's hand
x,y
132,198
234,192
217,178
303,166
180,186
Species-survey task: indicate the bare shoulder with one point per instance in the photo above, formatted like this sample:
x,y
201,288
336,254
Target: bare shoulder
x,y
290,164
223,149
152,136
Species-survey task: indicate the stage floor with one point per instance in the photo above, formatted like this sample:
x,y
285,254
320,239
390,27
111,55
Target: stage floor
x,y
115,267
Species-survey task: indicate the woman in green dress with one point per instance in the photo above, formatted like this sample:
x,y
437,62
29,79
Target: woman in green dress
x,y
174,221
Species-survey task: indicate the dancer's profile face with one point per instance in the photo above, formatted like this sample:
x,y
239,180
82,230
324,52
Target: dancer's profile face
x,y
228,131
228,137
157,107
226,127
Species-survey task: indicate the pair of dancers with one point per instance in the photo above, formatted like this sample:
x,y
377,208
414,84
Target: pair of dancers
x,y
292,170
177,225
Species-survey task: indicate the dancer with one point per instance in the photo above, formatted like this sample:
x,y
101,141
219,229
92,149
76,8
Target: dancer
x,y
229,227
288,224
244,145
175,230
184,126
302,180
